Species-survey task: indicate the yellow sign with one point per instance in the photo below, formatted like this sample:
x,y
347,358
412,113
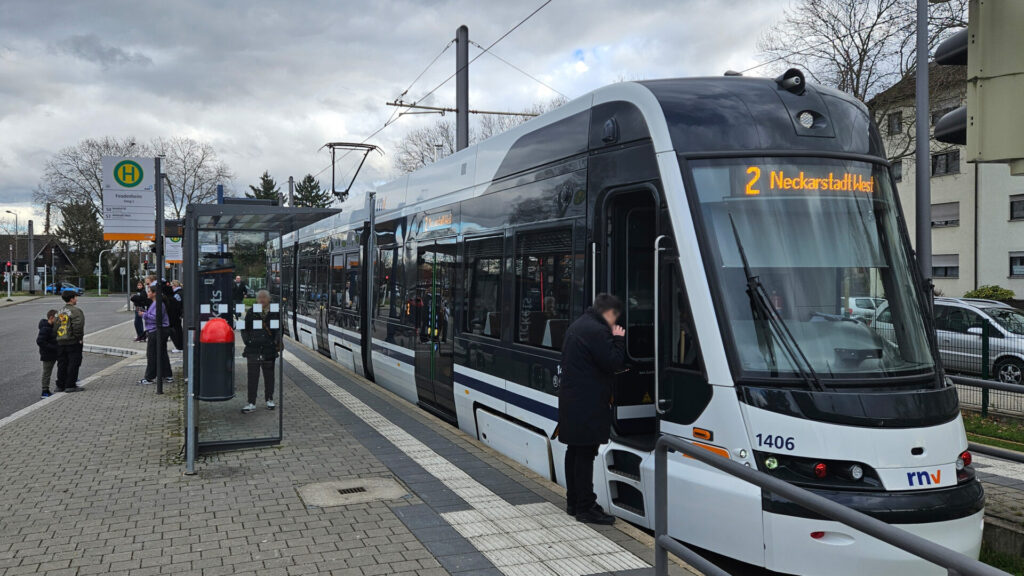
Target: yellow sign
x,y
780,180
128,173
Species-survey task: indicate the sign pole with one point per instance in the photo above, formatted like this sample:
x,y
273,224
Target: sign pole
x,y
160,349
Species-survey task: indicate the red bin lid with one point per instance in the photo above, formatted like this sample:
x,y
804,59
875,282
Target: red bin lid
x,y
217,331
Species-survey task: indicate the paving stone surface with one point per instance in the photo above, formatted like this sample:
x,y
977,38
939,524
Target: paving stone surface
x,y
92,483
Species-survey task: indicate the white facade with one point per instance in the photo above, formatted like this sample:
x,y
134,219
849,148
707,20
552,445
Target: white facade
x,y
974,236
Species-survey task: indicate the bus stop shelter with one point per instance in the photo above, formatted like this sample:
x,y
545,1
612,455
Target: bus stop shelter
x,y
224,318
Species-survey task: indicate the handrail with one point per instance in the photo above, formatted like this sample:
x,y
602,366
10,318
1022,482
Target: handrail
x,y
954,562
987,384
657,306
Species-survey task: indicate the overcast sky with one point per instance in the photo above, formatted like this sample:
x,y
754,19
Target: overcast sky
x,y
267,82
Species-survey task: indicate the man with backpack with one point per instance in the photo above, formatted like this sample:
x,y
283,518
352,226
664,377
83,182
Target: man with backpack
x,y
49,350
70,337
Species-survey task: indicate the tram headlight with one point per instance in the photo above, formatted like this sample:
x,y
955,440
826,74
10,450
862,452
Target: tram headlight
x,y
806,119
856,472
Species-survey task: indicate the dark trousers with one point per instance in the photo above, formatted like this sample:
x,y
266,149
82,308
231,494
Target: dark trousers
x,y
579,477
156,346
68,363
47,373
140,329
255,367
176,334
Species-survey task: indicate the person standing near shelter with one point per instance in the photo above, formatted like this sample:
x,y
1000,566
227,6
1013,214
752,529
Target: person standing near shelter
x,y
49,350
141,302
239,291
156,343
175,307
70,338
262,346
593,351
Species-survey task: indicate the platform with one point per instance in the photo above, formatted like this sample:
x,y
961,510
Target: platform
x,y
364,483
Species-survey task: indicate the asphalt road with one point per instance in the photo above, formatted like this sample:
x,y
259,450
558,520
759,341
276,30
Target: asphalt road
x,y
20,368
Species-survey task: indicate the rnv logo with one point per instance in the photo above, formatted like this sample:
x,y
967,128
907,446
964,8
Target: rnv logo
x,y
924,478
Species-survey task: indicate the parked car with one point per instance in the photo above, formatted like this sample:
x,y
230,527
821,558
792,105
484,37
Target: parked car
x,y
863,307
959,324
62,287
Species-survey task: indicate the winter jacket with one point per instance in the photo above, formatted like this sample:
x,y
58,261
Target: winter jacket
x,y
261,343
47,341
175,305
590,357
70,325
140,300
149,318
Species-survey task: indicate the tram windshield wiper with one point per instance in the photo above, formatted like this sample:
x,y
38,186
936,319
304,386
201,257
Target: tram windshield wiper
x,y
771,326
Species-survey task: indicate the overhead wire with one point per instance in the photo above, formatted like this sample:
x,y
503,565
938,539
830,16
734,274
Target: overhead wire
x,y
396,115
523,72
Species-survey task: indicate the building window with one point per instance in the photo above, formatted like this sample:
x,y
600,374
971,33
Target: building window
x,y
543,266
945,265
894,123
1016,264
897,170
1017,207
946,163
945,215
483,286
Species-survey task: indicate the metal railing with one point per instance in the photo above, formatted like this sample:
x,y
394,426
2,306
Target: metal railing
x,y
988,390
982,353
954,562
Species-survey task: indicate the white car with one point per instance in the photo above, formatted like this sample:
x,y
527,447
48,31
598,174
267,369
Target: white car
x,y
958,328
863,306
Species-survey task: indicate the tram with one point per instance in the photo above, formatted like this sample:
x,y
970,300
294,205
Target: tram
x,y
734,216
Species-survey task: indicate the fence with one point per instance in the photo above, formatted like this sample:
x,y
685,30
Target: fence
x,y
954,562
978,350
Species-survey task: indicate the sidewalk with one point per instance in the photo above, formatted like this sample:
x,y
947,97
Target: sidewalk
x,y
108,496
117,340
16,299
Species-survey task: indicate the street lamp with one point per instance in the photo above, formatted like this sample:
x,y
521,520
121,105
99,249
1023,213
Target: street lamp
x,y
15,239
99,272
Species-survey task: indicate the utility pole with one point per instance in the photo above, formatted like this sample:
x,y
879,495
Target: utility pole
x,y
462,87
161,349
31,257
291,184
922,172
14,263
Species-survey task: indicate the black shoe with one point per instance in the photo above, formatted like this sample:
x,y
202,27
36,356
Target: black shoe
x,y
73,389
570,509
595,516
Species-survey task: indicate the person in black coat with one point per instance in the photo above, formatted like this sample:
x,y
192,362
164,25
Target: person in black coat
x,y
141,302
262,338
593,351
49,351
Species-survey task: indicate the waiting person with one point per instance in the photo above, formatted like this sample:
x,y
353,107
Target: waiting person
x,y
49,350
593,351
262,346
156,343
239,291
70,325
175,308
141,302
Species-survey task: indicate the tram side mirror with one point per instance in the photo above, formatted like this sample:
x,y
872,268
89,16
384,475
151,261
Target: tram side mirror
x,y
791,80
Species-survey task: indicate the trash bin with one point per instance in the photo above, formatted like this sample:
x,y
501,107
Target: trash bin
x,y
216,361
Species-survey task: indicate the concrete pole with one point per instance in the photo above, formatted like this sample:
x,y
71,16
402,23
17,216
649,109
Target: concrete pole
x,y
922,178
160,349
462,87
291,184
31,259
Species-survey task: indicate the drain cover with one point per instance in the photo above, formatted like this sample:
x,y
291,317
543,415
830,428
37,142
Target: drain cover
x,y
348,492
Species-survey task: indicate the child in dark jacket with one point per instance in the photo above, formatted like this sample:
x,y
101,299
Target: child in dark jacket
x,y
48,349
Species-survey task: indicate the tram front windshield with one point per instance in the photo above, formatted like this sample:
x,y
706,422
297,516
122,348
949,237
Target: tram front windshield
x,y
821,238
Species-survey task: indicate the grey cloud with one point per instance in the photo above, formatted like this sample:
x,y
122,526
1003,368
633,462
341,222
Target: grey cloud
x,y
91,48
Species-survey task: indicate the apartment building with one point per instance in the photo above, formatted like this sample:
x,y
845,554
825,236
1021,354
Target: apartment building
x,y
977,210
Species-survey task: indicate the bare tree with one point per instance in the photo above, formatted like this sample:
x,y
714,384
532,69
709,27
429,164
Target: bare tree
x,y
868,49
74,175
424,145
193,172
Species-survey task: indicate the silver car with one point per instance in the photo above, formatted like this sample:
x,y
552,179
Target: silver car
x,y
958,327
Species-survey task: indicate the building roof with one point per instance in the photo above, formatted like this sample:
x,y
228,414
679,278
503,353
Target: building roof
x,y
41,241
943,82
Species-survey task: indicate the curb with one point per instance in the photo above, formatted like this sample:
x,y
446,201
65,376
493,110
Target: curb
x,y
1003,536
111,350
4,303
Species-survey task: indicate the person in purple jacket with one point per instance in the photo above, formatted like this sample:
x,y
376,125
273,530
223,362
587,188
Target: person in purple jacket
x,y
156,347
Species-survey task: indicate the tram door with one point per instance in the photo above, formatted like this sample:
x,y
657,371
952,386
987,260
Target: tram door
x,y
432,303
630,225
321,312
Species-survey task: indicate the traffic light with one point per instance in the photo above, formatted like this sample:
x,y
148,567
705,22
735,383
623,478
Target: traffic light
x,y
992,122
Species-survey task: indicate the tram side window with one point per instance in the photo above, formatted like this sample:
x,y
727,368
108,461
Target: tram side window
x,y
389,300
337,279
483,286
350,289
543,268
